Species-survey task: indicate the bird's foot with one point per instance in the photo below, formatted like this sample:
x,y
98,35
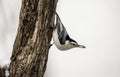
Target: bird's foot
x,y
51,44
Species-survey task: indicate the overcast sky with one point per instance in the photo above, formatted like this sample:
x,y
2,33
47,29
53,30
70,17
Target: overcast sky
x,y
93,23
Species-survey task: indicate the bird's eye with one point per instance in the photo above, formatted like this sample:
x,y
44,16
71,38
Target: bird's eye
x,y
73,43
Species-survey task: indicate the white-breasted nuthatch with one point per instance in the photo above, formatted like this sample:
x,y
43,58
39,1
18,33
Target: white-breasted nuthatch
x,y
61,38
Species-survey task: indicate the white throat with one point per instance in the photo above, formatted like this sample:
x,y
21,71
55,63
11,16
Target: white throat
x,y
66,46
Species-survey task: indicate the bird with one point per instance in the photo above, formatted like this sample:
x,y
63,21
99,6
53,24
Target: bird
x,y
61,38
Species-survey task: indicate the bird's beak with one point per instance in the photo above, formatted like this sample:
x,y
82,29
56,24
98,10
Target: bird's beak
x,y
81,46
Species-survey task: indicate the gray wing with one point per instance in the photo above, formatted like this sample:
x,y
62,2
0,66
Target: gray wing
x,y
62,33
62,37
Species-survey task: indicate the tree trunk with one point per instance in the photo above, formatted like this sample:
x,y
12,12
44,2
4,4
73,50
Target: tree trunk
x,y
2,72
32,43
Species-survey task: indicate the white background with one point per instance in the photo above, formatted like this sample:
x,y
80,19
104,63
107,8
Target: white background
x,y
93,23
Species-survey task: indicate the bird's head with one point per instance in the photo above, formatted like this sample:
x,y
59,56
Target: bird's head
x,y
73,44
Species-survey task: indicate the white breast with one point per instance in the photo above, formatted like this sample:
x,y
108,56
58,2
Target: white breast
x,y
57,43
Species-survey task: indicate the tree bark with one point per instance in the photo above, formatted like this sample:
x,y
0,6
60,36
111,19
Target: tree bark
x,y
32,43
2,72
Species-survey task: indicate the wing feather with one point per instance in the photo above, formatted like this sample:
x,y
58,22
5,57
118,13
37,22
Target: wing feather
x,y
62,33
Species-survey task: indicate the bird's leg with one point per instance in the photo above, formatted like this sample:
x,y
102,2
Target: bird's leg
x,y
51,44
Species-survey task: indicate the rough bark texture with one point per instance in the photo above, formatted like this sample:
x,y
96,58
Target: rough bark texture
x,y
30,50
2,72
